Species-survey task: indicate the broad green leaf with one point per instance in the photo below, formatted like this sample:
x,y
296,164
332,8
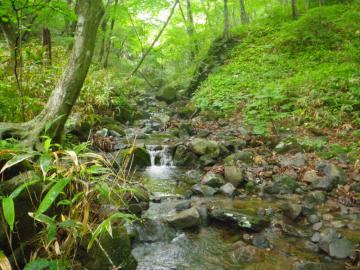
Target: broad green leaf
x,y
20,188
45,162
9,211
41,264
51,232
52,194
17,159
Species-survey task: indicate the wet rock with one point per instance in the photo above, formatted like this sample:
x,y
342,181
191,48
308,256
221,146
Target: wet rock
x,y
192,177
212,179
243,156
234,175
283,184
260,241
341,248
185,219
242,221
139,156
183,205
227,189
291,210
243,253
203,212
205,147
203,190
183,156
117,247
102,132
297,160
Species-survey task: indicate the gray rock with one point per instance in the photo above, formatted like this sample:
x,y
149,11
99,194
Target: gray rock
x,y
297,160
260,241
102,132
291,210
246,253
205,147
326,237
185,219
313,218
316,237
311,176
283,185
243,156
183,205
227,189
241,220
213,179
183,156
341,249
333,176
203,190
317,226
287,145
234,174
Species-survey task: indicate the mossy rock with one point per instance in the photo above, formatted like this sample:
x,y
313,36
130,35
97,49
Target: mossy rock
x,y
116,128
137,157
167,94
117,247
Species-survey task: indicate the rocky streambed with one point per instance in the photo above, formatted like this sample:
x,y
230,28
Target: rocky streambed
x,y
219,197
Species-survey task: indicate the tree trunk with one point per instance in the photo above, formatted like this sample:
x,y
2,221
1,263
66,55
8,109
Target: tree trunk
x,y
10,35
190,28
46,42
52,119
243,15
226,20
108,42
294,10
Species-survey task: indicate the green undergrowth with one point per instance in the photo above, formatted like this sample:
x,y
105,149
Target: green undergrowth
x,y
290,73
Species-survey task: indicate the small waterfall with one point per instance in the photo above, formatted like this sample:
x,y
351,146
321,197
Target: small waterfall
x,y
161,155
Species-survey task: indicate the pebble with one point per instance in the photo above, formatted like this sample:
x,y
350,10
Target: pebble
x,y
316,237
327,217
317,226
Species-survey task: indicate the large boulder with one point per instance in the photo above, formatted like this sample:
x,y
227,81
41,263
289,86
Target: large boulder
x,y
203,147
212,179
167,94
243,221
135,157
185,219
183,156
117,248
333,176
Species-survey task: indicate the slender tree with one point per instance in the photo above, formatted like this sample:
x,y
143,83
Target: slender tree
x,y
226,33
108,41
190,28
10,35
55,113
243,15
294,10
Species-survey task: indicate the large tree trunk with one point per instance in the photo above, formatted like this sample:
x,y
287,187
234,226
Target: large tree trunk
x,y
10,35
52,119
226,20
243,15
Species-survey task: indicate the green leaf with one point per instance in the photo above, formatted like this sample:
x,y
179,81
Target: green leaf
x,y
41,264
20,188
47,145
9,211
52,194
45,162
17,159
